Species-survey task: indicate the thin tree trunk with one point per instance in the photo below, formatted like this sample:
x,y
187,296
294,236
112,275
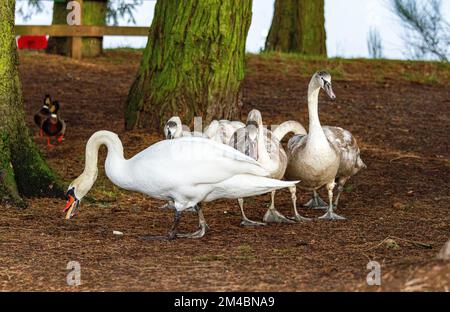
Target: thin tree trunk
x,y
94,13
298,26
193,64
23,172
59,45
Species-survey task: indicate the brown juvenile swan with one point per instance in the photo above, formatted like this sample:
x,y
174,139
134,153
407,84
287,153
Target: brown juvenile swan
x,y
323,155
264,146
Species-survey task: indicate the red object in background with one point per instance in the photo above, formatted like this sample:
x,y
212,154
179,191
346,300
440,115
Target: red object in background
x,y
32,42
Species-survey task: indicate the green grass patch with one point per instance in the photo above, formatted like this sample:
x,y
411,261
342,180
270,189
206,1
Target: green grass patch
x,y
378,70
245,249
124,49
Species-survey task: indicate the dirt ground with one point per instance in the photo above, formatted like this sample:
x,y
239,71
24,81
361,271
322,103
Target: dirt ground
x,y
397,210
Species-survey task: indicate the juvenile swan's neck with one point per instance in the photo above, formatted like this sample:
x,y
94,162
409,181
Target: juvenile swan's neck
x,y
255,117
315,128
115,151
263,156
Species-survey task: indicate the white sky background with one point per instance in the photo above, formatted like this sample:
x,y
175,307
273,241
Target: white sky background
x,y
347,23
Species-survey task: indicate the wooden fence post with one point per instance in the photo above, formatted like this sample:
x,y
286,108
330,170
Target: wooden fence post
x,y
76,42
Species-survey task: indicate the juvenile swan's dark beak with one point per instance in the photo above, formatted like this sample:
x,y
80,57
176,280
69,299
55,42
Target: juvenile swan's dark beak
x,y
329,90
71,208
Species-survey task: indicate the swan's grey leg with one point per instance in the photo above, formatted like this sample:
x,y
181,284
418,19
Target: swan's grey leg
x,y
246,221
202,224
316,202
273,215
297,216
330,215
172,233
341,183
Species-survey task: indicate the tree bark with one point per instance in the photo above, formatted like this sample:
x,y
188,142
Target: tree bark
x,y
298,26
23,172
193,64
93,13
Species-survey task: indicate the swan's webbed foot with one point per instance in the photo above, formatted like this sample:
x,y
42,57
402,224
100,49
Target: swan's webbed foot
x,y
330,215
274,216
201,223
316,203
197,234
248,222
172,233
167,237
299,217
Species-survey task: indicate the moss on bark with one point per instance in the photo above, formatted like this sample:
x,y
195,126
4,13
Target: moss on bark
x,y
193,63
23,172
298,26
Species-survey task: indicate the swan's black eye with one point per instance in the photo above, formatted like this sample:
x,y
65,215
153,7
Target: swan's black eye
x,y
70,192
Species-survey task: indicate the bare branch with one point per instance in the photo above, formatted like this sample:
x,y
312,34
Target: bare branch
x,y
27,9
121,8
374,44
427,32
115,10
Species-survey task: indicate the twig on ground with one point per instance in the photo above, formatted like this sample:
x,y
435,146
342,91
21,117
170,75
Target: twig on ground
x,y
416,243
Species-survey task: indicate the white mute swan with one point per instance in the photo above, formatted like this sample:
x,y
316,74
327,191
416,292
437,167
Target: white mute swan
x,y
261,144
187,171
316,158
219,131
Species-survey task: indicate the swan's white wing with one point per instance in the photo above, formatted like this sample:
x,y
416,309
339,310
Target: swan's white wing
x,y
245,185
237,124
194,160
348,149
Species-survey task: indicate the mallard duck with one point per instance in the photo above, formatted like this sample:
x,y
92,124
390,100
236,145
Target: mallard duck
x,y
53,126
43,113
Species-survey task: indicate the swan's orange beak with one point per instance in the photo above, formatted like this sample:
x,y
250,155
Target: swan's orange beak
x,y
71,208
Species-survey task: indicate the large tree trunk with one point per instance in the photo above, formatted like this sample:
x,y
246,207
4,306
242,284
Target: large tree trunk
x,y
298,26
23,172
193,63
94,13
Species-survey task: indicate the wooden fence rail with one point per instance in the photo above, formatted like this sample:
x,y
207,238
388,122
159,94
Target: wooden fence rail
x,y
77,32
81,31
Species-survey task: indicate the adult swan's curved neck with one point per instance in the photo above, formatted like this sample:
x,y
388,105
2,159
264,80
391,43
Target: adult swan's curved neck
x,y
114,160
